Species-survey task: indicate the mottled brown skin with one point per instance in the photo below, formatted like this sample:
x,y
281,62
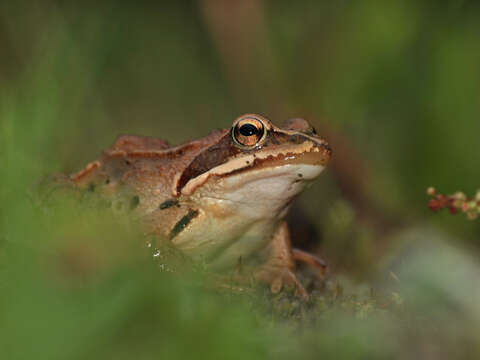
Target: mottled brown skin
x,y
167,188
144,167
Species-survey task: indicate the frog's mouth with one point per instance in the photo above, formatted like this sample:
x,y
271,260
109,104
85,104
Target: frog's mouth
x,y
311,155
289,158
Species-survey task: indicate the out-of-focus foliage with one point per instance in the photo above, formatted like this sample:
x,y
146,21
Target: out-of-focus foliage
x,y
399,80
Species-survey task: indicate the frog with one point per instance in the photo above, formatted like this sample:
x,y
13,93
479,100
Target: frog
x,y
220,200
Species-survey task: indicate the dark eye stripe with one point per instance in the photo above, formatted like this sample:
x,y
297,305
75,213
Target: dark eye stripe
x,y
209,158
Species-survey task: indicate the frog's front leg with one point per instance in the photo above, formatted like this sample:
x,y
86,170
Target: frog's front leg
x,y
279,268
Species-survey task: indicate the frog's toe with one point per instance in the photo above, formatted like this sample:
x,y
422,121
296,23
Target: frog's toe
x,y
280,279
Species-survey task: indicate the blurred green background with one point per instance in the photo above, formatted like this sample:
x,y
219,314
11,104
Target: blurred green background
x,y
393,85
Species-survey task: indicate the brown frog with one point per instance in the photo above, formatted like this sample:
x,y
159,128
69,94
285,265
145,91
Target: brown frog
x,y
221,199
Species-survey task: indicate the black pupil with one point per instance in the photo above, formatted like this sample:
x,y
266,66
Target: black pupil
x,y
248,130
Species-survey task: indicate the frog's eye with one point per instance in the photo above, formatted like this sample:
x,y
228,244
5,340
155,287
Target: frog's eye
x,y
248,132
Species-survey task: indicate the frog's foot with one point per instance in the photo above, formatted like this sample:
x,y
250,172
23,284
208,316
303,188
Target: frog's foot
x,y
280,278
279,269
276,276
310,259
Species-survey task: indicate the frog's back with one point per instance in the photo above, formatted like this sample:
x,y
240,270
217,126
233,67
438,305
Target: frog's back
x,y
140,170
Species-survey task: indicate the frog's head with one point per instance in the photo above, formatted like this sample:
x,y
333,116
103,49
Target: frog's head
x,y
256,165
